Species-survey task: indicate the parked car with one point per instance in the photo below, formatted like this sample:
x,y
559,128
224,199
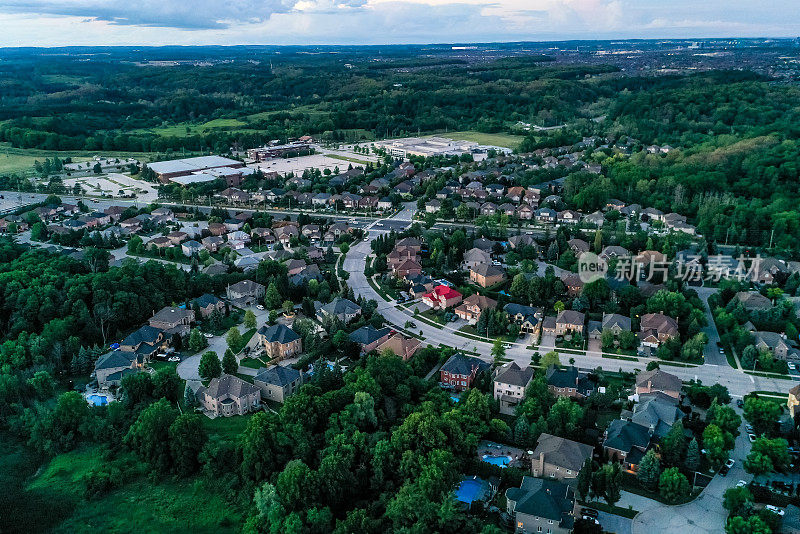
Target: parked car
x,y
730,463
594,519
775,509
751,437
260,307
791,366
739,403
748,427
174,359
208,335
723,471
590,512
741,484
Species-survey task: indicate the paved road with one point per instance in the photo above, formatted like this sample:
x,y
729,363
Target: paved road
x,y
737,382
704,514
711,351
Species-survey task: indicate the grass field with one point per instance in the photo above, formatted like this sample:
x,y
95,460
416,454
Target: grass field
x,y
186,129
53,500
495,139
15,160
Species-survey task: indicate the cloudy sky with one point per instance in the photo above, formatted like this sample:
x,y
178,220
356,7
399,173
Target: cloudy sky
x,y
157,22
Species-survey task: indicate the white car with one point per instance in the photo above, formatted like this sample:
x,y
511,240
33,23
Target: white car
x,y
591,519
174,359
208,335
741,484
260,307
792,366
729,463
775,509
751,437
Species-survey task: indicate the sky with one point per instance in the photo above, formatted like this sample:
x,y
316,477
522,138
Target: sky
x,y
230,22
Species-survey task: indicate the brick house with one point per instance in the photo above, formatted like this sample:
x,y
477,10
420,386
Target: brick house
x,y
459,371
280,341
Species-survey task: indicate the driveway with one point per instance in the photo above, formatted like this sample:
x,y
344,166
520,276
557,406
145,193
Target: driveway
x,y
704,514
614,523
711,352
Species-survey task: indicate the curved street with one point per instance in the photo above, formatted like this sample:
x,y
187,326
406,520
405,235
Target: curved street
x,y
715,370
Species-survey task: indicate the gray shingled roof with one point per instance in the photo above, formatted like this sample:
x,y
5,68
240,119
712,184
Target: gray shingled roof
x,y
459,364
549,499
368,334
277,375
562,452
514,375
624,435
278,333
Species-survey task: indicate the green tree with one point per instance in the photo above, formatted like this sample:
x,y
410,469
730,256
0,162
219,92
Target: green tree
x,y
498,352
149,436
187,437
672,485
584,483
272,298
693,456
210,366
167,384
234,339
197,341
767,455
752,525
714,444
551,358
735,499
673,446
649,470
249,319
762,414
230,365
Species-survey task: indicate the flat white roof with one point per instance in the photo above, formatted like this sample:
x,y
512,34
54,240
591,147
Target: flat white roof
x,y
189,165
193,179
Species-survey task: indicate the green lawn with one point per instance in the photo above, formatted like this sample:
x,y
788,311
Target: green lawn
x,y
53,501
15,160
252,363
180,130
226,427
495,139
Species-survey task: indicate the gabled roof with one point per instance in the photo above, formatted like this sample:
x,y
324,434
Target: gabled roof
x,y
115,359
514,375
614,319
445,292
341,306
544,498
459,364
656,414
278,333
659,380
569,378
368,334
277,375
562,452
228,386
624,435
145,334
487,269
206,300
571,317
169,314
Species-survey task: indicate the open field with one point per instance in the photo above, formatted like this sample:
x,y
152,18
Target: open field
x,y
53,500
186,129
495,139
16,160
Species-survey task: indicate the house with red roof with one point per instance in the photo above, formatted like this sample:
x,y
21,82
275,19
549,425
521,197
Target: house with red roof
x,y
442,297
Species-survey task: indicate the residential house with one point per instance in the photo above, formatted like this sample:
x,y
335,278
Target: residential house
x,y
524,212
472,307
614,251
487,245
213,243
569,217
541,505
518,242
775,343
442,297
595,219
402,346
657,413
559,458
280,341
572,282
794,401
753,300
569,382
217,229
234,195
546,215
113,366
486,275
173,320
614,323
658,381
245,293
407,268
626,442
567,321
656,328
145,342
510,382
433,206
369,337
343,309
527,317
208,303
191,248
578,246
229,395
278,383
459,371
474,257
159,243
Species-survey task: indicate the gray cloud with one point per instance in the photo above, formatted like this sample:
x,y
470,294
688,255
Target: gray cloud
x,y
191,15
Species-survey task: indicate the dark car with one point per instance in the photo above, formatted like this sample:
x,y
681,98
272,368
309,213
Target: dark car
x,y
739,403
724,470
591,512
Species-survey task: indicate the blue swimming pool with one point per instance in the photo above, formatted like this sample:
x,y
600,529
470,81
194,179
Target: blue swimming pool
x,y
468,491
501,461
454,398
97,400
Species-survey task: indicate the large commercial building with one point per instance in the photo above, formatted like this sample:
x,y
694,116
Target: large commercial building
x,y
200,169
432,146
